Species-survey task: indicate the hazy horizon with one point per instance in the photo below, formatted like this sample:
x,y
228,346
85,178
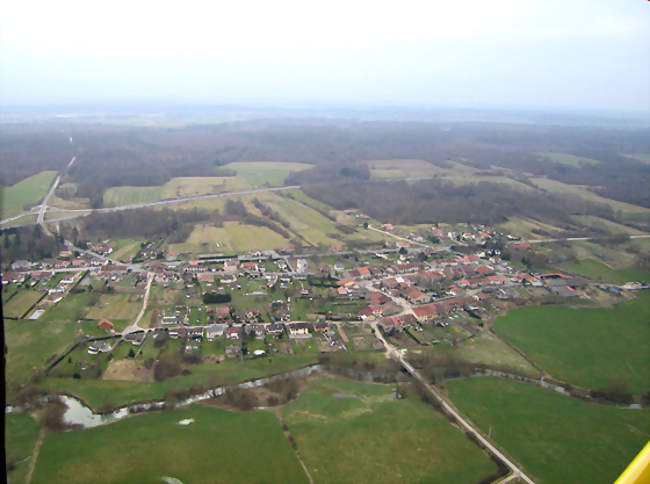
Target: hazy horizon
x,y
551,56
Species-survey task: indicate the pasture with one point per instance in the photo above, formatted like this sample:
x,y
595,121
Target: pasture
x,y
259,173
21,434
18,305
596,270
219,446
567,159
347,431
25,193
385,169
556,438
592,347
116,306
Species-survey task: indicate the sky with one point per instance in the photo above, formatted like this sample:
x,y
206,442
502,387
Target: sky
x,y
551,54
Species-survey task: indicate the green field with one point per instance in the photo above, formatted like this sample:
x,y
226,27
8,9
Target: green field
x,y
567,159
21,302
258,173
29,191
116,306
219,446
21,434
556,438
598,271
175,188
232,238
588,347
485,349
369,435
402,169
605,225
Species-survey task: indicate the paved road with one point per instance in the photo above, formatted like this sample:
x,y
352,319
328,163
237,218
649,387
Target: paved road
x,y
40,220
578,239
395,354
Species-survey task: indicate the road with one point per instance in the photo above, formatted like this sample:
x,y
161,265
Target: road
x,y
395,354
578,239
40,220
145,300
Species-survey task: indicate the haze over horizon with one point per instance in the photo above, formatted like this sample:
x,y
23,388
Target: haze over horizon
x,y
553,55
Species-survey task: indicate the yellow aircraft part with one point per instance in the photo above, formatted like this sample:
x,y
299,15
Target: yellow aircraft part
x,y
638,472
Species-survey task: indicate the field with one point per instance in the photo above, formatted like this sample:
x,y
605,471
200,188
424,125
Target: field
x,y
21,434
29,191
588,347
554,186
485,349
21,302
233,237
174,188
556,438
30,344
523,227
219,446
567,159
258,173
116,306
402,169
643,157
598,271
606,225
347,431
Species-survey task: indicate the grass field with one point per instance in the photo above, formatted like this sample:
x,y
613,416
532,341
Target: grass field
x,y
589,347
258,173
598,271
555,186
219,446
523,227
607,225
233,237
30,344
174,188
21,434
567,159
556,438
402,169
488,350
643,157
116,306
29,191
369,435
21,302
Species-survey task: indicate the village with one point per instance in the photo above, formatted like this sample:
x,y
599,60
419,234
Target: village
x,y
276,302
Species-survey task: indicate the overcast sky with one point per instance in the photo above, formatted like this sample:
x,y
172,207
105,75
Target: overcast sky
x,y
585,54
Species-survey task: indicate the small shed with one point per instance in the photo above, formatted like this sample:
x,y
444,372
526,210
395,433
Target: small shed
x,y
106,324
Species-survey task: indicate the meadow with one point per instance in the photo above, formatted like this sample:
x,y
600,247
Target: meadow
x,y
26,192
21,434
596,270
556,438
18,305
220,446
567,159
592,347
347,431
259,173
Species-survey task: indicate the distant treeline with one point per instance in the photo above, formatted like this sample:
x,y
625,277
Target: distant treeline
x,y
117,156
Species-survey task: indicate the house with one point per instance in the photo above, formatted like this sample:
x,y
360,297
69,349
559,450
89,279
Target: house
x,y
364,272
298,330
230,266
215,331
257,330
205,277
428,312
302,266
106,324
221,313
388,227
253,314
232,333
232,350
136,338
320,326
496,280
415,296
274,329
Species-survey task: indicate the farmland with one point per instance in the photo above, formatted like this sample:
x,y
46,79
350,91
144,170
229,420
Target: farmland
x,y
165,448
334,415
21,433
18,305
589,347
556,438
25,193
567,159
598,271
258,173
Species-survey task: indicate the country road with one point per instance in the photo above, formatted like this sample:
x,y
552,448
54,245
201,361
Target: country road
x,y
145,300
579,239
395,354
40,220
87,212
